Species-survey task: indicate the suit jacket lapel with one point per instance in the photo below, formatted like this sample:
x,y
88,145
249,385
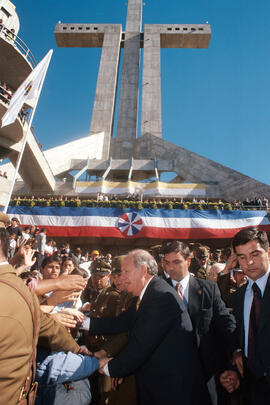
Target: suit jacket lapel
x,y
264,312
239,314
146,296
194,300
169,280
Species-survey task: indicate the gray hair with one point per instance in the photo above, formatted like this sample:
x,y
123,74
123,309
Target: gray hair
x,y
140,257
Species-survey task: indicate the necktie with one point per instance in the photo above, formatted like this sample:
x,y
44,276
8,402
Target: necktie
x,y
253,361
138,304
178,288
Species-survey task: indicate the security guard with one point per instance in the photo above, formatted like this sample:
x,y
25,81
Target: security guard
x,y
104,302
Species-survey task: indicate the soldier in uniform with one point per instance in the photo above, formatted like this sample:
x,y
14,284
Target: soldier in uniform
x,y
123,392
229,283
103,302
202,257
18,340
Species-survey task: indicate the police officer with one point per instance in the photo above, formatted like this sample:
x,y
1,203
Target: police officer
x,y
202,257
104,302
19,333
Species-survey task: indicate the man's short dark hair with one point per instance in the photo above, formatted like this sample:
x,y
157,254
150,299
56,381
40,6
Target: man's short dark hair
x,y
4,241
51,259
249,234
177,247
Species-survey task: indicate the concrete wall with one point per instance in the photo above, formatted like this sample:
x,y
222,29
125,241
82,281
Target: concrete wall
x,y
104,105
129,92
5,185
151,86
221,181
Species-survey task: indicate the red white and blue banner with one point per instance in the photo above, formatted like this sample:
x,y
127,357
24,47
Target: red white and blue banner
x,y
145,223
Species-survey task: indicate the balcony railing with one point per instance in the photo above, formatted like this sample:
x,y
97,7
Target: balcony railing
x,y
10,36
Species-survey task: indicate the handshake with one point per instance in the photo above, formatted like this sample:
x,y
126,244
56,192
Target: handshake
x,y
103,359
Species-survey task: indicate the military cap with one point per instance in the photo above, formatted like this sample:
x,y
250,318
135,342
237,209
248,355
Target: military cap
x,y
202,253
4,219
100,266
117,263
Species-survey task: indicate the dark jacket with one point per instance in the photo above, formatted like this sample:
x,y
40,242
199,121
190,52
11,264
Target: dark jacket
x,y
213,325
263,334
161,350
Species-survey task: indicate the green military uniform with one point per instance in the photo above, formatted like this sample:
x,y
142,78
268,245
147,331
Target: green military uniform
x,y
16,325
126,392
203,272
202,256
16,337
104,303
227,287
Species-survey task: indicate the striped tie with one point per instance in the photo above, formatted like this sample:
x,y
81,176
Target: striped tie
x,y
178,288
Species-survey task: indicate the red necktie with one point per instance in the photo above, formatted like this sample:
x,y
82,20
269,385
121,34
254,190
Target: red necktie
x,y
253,361
178,288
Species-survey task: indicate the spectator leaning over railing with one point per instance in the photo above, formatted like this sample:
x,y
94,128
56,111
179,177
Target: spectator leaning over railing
x,y
5,92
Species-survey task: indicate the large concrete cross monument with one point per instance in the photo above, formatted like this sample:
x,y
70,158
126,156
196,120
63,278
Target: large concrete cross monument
x,y
111,38
133,155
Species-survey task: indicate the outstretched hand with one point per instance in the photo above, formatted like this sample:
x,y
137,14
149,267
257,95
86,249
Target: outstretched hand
x,y
67,320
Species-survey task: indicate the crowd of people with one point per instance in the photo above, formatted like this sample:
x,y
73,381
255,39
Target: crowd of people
x,y
8,33
112,200
5,93
178,324
256,202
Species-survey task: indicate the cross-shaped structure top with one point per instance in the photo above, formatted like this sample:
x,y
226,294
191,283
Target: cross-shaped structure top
x,y
111,38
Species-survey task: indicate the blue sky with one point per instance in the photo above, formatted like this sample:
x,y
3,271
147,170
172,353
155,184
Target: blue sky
x,y
216,102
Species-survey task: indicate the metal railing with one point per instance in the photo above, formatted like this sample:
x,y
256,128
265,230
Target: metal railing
x,y
10,37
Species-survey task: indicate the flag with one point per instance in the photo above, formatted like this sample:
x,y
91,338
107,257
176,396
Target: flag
x,y
28,91
144,223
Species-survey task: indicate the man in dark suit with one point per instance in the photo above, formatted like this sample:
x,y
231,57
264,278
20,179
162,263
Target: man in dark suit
x,y
211,320
161,350
251,309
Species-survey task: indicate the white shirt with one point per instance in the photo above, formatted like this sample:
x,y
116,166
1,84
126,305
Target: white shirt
x,y
184,286
2,264
166,274
144,288
261,283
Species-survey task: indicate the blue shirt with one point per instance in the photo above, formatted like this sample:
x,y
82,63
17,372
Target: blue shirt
x,y
59,367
